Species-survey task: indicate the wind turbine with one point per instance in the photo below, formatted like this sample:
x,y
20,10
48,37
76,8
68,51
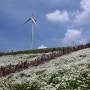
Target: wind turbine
x,y
33,20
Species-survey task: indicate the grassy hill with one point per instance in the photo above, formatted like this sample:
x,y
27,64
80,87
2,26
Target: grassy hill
x,y
68,72
45,50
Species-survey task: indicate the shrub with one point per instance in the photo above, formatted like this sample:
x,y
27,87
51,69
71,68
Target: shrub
x,y
53,76
82,55
22,75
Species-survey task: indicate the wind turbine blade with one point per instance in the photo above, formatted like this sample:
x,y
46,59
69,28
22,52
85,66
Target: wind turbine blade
x,y
27,20
33,10
36,24
34,21
32,13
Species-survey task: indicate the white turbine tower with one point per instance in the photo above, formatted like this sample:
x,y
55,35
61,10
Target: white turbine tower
x,y
33,20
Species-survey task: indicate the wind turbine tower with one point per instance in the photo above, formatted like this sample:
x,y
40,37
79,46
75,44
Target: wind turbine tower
x,y
33,21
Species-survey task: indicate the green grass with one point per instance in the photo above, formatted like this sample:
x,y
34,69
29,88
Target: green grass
x,y
39,72
24,75
45,50
22,86
31,56
26,86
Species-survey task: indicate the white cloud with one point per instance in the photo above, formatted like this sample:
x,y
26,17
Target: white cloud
x,y
58,16
84,16
73,35
85,4
41,47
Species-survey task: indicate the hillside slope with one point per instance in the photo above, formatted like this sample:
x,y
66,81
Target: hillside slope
x,y
68,72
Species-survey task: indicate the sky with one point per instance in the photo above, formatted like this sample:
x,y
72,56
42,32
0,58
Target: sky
x,y
61,22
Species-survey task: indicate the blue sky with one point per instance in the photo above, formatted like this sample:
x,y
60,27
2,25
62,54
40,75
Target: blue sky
x,y
60,22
